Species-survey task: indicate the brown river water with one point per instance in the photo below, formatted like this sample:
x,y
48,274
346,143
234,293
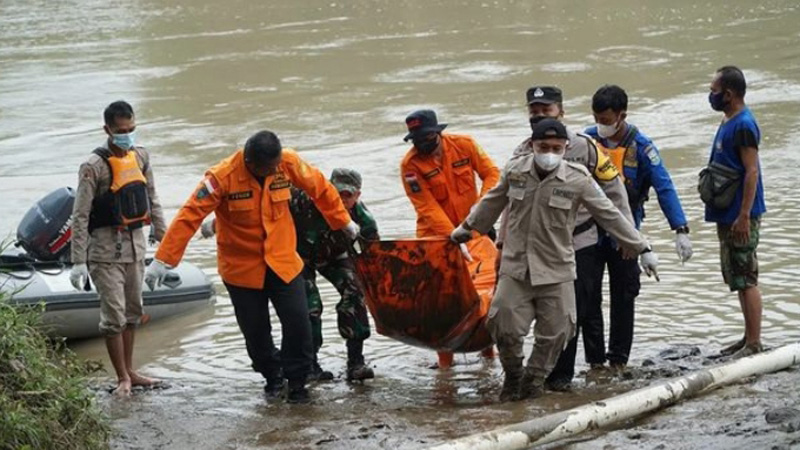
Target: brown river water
x,y
335,79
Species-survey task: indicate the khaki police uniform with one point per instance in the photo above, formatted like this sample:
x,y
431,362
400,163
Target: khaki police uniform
x,y
115,257
582,150
538,257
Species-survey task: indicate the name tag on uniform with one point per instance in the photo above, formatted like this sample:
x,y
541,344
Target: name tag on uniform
x,y
463,162
244,195
431,174
279,184
558,192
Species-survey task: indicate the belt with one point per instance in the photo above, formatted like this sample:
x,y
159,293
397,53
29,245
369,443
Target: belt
x,y
585,226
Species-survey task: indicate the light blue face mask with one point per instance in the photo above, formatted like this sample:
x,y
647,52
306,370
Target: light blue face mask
x,y
124,141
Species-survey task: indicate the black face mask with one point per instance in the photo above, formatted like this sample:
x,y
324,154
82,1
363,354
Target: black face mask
x,y
536,119
427,147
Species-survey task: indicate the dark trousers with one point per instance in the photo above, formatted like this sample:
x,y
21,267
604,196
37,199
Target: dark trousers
x,y
623,275
589,268
251,307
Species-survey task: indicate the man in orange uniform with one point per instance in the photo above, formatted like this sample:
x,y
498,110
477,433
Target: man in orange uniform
x,y
249,192
439,179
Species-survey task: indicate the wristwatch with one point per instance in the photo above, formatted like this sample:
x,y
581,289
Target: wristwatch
x,y
682,230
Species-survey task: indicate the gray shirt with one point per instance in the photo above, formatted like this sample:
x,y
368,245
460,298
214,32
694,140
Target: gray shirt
x,y
108,244
541,216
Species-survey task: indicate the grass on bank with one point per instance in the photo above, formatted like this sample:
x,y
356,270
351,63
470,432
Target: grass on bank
x,y
45,402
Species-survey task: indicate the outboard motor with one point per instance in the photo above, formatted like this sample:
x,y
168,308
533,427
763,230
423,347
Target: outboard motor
x,y
46,230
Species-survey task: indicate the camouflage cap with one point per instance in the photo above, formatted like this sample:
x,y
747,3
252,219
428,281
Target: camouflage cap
x,y
346,180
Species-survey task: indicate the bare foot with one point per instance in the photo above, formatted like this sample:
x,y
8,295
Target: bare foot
x,y
123,389
140,380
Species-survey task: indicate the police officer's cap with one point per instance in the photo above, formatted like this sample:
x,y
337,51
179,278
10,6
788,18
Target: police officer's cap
x,y
544,94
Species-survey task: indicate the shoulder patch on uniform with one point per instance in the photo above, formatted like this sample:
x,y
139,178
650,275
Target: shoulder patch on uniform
x,y
411,180
431,174
207,187
607,171
652,154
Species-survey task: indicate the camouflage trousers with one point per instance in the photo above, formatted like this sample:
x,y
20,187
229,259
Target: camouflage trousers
x,y
351,312
739,261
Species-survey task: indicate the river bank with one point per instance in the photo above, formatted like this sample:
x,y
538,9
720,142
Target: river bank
x,y
233,414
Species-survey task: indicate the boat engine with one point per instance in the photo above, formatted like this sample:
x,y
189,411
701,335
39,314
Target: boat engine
x,y
45,231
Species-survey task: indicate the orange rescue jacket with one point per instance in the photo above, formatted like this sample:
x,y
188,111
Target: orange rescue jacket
x,y
254,226
443,194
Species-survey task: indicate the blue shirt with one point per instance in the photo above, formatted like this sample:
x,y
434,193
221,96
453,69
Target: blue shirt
x,y
642,172
739,131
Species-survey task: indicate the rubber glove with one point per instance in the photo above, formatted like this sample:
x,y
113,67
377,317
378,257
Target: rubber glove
x,y
351,230
460,235
207,229
649,263
155,273
78,276
683,245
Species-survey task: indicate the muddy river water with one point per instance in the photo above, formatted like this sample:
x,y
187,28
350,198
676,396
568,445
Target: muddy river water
x,y
335,79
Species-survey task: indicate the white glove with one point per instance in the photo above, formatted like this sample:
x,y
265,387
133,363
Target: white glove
x,y
78,276
683,245
351,230
465,252
649,263
207,229
460,235
155,273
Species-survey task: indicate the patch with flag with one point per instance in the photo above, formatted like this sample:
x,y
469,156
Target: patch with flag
x,y
207,187
412,182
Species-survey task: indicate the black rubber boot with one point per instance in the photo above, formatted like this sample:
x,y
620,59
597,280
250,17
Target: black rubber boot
x,y
356,369
512,382
298,392
274,387
317,374
532,384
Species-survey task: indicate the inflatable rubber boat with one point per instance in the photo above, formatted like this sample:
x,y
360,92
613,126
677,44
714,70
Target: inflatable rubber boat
x,y
37,270
75,314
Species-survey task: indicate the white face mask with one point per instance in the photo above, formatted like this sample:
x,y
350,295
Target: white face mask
x,y
606,131
547,161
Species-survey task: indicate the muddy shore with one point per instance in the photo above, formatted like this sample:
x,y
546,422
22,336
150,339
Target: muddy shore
x,y
232,414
